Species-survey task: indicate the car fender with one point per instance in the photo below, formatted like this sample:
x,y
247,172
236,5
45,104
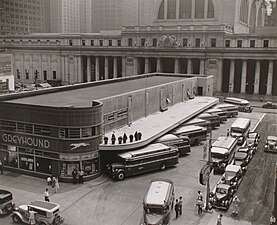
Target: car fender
x,y
19,215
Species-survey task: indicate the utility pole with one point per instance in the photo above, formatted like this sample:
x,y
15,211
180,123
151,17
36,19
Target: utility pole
x,y
209,165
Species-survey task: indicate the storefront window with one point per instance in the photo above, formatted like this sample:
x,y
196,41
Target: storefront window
x,y
90,166
68,167
26,162
44,165
10,159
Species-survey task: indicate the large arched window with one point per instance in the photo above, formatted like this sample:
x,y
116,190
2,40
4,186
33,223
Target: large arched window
x,y
188,9
244,11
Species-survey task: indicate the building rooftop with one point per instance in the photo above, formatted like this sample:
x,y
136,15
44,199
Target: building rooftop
x,y
83,96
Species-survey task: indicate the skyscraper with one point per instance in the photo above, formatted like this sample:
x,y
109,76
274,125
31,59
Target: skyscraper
x,y
18,16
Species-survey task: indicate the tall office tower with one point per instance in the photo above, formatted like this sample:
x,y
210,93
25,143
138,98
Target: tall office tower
x,y
17,16
146,12
65,16
85,16
113,14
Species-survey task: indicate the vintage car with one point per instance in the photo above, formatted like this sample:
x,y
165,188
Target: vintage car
x,y
241,159
271,144
222,196
232,176
252,140
6,204
269,105
248,150
46,213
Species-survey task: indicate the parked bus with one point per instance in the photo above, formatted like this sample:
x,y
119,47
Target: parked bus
x,y
241,103
198,122
196,134
181,142
152,157
219,112
231,110
158,202
222,152
240,129
214,119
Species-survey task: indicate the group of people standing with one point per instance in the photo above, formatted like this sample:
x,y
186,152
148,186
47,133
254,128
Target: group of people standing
x,y
178,207
80,175
54,182
123,139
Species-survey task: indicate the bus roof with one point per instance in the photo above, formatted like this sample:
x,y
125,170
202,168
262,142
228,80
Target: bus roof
x,y
241,122
226,105
236,100
158,193
190,128
167,137
219,150
224,142
214,110
195,121
148,149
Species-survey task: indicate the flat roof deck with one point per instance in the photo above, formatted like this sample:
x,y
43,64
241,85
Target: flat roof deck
x,y
82,97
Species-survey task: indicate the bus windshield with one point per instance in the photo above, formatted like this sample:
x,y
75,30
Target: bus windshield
x,y
154,210
219,156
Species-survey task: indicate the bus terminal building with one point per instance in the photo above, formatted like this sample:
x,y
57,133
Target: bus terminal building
x,y
52,131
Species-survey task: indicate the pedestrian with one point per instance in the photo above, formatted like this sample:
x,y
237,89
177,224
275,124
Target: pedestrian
x,y
228,132
32,219
236,202
136,136
125,138
1,167
180,205
199,196
113,138
46,195
106,139
57,185
139,136
53,181
74,175
49,181
131,137
272,220
219,219
177,208
81,177
199,205
119,140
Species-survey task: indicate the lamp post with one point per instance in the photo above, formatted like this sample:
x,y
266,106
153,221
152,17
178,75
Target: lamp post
x,y
36,78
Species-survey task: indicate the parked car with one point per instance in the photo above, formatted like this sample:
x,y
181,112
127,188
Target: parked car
x,y
6,203
232,176
248,150
46,213
222,196
241,159
271,144
269,105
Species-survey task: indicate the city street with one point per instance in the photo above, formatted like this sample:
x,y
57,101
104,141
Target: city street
x,y
108,202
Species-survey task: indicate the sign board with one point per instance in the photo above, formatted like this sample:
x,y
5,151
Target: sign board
x,y
5,64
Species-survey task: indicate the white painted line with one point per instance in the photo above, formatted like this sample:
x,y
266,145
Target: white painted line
x,y
260,120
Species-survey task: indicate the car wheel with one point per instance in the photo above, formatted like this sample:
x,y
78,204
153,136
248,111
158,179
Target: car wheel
x,y
121,175
163,166
16,219
9,207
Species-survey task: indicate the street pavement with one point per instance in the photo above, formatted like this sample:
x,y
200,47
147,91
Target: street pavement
x,y
102,200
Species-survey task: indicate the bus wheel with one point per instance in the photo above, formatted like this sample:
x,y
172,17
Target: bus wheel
x,y
163,166
121,175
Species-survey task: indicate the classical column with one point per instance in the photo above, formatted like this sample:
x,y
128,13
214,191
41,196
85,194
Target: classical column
x,y
232,76
30,69
269,78
165,9
97,71
67,69
88,69
218,78
202,66
80,69
48,66
243,76
257,77
123,61
146,65
58,72
159,68
106,68
114,67
177,66
177,9
62,69
189,69
135,65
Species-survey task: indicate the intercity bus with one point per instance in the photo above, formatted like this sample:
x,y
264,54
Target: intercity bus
x,y
222,152
241,103
214,119
196,134
152,157
240,129
231,110
198,122
158,202
219,112
181,142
